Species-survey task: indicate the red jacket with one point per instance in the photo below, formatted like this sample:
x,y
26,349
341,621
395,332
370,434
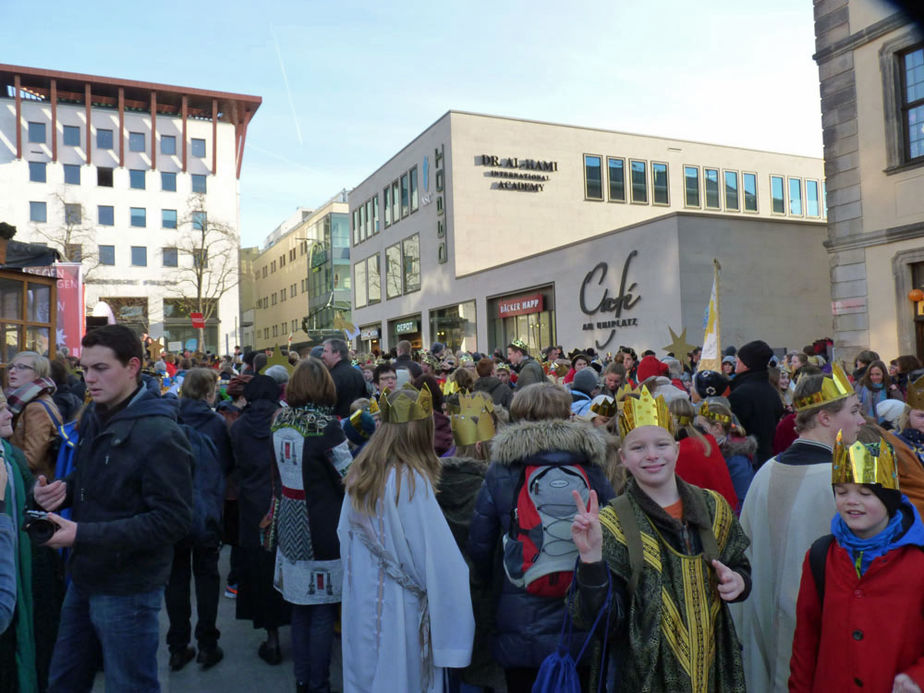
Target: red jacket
x,y
872,628
695,467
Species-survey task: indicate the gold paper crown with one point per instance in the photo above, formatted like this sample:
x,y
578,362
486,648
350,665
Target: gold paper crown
x,y
644,411
373,406
834,387
521,345
474,423
277,359
915,396
502,367
356,419
409,404
604,405
707,413
872,463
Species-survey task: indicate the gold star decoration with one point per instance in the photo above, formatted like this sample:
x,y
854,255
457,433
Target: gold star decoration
x,y
154,348
679,347
279,358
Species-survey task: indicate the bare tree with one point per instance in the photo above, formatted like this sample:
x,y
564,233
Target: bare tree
x,y
207,250
74,237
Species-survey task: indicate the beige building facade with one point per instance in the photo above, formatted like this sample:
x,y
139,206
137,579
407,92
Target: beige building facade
x,y
871,68
486,229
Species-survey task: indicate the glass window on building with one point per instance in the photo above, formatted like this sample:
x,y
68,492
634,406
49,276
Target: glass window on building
x,y
386,204
71,174
136,142
104,176
139,256
749,186
37,171
197,147
139,217
824,199
405,197
200,221
170,257
731,190
360,295
355,224
795,196
639,181
167,181
38,211
167,144
168,218
107,255
24,327
811,198
691,186
136,178
36,133
104,138
363,225
777,195
395,203
711,186
593,177
73,213
375,214
178,328
374,278
199,184
659,184
71,136
413,182
411,248
616,169
393,271
105,215
455,326
913,102
537,328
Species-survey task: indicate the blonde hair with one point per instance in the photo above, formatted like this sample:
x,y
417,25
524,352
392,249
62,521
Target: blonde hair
x,y
541,402
613,467
684,413
41,366
199,383
393,446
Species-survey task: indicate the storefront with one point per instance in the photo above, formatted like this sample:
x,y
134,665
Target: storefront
x,y
528,315
405,329
370,338
455,327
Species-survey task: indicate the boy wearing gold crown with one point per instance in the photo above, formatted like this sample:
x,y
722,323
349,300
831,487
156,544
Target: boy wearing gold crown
x,y
674,556
788,506
862,627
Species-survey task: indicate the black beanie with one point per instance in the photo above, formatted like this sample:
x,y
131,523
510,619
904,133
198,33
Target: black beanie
x,y
756,355
891,498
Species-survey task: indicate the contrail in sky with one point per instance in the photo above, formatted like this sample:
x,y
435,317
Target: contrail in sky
x,y
285,79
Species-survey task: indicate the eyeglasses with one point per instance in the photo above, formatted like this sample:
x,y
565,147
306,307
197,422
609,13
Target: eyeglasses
x,y
20,367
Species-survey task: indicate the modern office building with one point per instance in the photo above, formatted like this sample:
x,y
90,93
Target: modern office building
x,y
302,278
139,182
486,229
871,69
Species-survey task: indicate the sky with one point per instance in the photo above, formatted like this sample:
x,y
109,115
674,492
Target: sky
x,y
347,84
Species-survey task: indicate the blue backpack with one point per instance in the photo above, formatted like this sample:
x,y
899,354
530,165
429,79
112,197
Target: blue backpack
x,y
208,486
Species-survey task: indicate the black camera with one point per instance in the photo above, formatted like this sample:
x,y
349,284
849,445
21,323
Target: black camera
x,y
39,528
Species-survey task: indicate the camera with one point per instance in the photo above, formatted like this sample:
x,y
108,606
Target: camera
x,y
39,528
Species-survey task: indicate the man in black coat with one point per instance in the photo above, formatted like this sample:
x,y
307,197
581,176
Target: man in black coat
x,y
347,380
753,399
404,360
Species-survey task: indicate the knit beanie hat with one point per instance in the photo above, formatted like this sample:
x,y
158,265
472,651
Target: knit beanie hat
x,y
891,497
585,380
709,383
756,355
650,366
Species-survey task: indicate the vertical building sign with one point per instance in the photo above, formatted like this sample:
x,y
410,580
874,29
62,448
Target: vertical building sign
x,y
439,164
70,321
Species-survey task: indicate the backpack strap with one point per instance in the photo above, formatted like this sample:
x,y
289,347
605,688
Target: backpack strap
x,y
818,557
622,506
54,419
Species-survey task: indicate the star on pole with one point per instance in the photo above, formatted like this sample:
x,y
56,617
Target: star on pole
x,y
679,347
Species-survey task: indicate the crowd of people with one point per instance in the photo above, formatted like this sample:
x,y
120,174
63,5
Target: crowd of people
x,y
466,520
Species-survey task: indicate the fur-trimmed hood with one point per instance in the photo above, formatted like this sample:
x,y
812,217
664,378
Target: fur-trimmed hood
x,y
736,445
526,439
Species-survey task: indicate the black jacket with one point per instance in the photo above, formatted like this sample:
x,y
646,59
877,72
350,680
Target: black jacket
x,y
529,372
527,626
198,414
500,392
405,361
759,409
254,457
131,492
350,386
324,488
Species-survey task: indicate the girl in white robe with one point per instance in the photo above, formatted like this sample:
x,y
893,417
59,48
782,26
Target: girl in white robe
x,y
407,610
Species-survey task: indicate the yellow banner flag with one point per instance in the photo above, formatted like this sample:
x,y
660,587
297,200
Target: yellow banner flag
x,y
711,357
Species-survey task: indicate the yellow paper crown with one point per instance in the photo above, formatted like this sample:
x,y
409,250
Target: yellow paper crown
x,y
915,396
277,359
474,423
834,387
410,404
644,411
871,463
373,406
604,405
708,413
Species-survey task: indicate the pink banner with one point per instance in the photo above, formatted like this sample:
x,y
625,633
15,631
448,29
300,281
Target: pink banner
x,y
71,312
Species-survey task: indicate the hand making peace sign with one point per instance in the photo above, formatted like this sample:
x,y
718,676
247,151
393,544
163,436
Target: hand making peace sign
x,y
585,529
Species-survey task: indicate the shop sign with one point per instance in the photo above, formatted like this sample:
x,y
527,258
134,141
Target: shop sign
x,y
198,321
406,327
520,175
369,333
439,164
608,310
520,305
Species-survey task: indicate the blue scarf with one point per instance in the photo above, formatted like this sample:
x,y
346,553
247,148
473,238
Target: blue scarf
x,y
864,551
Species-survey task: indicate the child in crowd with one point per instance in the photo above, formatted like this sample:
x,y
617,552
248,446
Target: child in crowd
x,y
736,446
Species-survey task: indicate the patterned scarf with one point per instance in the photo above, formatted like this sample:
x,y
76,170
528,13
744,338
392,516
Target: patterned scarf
x,y
18,399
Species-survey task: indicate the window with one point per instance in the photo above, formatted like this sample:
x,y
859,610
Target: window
x,y
811,198
386,203
136,141
170,257
104,177
293,290
731,190
282,258
749,186
795,196
356,226
167,144
200,222
139,217
824,199
359,282
617,177
414,201
38,211
395,202
168,218
411,248
282,296
198,183
73,214
167,181
273,298
691,186
711,186
37,171
200,257
375,212
136,178
107,255
639,181
912,70
393,274
273,267
74,252
659,184
105,215
374,278
264,271
197,147
103,139
778,205
36,133
362,222
593,178
139,256
275,330
71,136
71,174
405,197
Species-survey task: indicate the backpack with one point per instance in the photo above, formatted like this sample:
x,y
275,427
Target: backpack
x,y
208,486
64,447
818,557
539,554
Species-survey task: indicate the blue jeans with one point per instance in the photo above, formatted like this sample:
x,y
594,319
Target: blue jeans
x,y
124,628
312,638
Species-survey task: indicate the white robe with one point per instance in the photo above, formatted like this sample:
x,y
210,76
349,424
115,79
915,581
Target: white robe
x,y
786,509
381,641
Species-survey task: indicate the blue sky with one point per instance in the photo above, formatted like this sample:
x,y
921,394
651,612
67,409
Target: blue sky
x,y
365,78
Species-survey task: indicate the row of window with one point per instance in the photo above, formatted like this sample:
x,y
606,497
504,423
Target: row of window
x,y
270,268
400,199
137,178
105,216
137,141
402,273
281,329
139,255
292,291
